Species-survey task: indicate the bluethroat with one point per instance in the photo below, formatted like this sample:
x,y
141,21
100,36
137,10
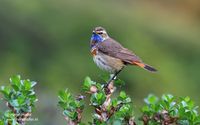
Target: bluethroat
x,y
111,56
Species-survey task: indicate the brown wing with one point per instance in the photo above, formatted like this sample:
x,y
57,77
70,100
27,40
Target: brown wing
x,y
112,48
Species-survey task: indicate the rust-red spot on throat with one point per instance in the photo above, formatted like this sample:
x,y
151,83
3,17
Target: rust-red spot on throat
x,y
94,52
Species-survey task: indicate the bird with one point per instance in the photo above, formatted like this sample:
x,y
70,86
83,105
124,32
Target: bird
x,y
111,56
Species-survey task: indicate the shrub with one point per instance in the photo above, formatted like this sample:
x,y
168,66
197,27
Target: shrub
x,y
117,110
107,109
170,110
20,99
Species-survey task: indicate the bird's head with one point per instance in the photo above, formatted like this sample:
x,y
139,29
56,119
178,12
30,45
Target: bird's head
x,y
99,34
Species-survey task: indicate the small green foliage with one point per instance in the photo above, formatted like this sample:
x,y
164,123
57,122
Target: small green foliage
x,y
98,99
122,95
170,109
118,82
152,108
9,118
1,122
87,84
151,99
71,106
5,90
20,97
124,109
123,98
117,109
108,111
123,112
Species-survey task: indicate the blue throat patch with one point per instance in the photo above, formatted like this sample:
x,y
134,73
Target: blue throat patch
x,y
97,38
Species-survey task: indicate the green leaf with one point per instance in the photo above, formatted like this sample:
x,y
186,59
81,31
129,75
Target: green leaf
x,y
67,113
114,102
1,122
98,98
101,97
99,86
9,114
15,87
117,122
187,99
145,109
21,100
119,82
27,84
9,118
123,95
89,81
5,91
81,124
169,98
151,99
33,83
16,80
33,98
183,122
64,95
124,111
14,103
87,84
73,115
62,105
127,100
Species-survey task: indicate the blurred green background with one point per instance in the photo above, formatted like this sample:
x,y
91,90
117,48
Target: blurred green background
x,y
48,41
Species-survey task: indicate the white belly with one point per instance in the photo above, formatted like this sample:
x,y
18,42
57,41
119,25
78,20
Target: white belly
x,y
108,63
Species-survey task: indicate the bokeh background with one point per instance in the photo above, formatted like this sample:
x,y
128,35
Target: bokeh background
x,y
48,41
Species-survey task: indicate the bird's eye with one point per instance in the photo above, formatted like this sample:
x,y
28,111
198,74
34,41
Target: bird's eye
x,y
100,33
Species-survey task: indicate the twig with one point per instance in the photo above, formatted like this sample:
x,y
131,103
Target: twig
x,y
20,118
69,121
163,117
79,112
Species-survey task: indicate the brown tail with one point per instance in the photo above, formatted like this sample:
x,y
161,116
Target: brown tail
x,y
145,66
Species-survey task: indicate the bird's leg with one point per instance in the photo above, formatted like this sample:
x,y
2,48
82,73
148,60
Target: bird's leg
x,y
113,77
